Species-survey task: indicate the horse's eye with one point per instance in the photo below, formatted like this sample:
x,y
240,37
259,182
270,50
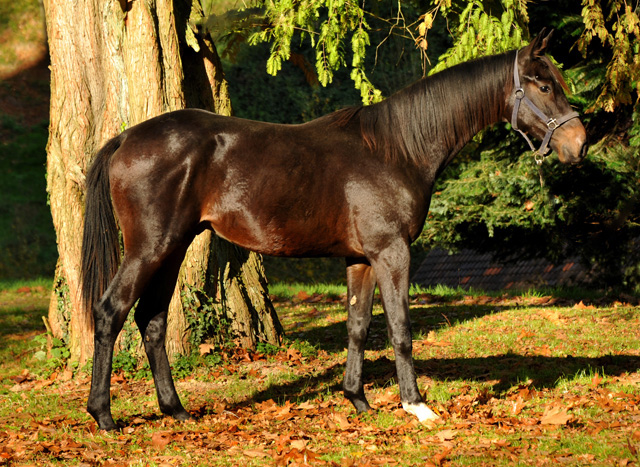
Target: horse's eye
x,y
545,89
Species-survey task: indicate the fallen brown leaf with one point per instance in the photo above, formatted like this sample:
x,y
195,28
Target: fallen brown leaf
x,y
441,456
555,415
517,407
525,333
206,349
255,453
341,420
306,405
582,306
294,355
160,439
595,382
446,435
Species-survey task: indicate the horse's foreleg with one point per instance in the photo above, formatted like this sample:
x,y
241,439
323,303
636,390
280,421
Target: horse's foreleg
x,y
361,283
392,268
109,316
151,318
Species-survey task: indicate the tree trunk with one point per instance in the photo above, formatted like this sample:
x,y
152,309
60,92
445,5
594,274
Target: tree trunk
x,y
115,64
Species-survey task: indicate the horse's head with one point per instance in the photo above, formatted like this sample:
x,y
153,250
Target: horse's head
x,y
540,107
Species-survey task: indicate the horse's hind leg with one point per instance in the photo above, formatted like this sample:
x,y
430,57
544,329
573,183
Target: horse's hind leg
x,y
151,318
361,283
109,316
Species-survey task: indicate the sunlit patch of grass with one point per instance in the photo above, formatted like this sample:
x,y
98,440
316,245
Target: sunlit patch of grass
x,y
441,392
443,292
284,291
37,284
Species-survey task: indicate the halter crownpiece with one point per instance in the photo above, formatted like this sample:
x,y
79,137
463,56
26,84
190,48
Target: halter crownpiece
x,y
552,123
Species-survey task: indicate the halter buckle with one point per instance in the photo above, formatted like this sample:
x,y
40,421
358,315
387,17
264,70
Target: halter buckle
x,y
552,124
538,157
519,93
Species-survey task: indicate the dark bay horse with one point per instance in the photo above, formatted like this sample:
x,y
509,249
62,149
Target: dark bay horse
x,y
356,184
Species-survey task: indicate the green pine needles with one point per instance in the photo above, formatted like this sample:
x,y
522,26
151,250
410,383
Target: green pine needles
x,y
330,25
481,32
619,32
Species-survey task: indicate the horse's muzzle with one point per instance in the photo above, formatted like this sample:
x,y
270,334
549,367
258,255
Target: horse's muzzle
x,y
574,146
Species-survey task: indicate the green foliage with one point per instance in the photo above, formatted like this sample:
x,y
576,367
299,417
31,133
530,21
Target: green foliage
x,y
334,28
184,365
293,96
495,202
52,351
203,318
305,348
488,193
478,27
63,305
481,32
619,33
267,349
125,361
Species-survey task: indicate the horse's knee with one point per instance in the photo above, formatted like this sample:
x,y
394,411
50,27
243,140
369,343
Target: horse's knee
x,y
358,337
402,342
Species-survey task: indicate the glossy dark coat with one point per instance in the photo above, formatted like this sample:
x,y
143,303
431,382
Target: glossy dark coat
x,y
356,184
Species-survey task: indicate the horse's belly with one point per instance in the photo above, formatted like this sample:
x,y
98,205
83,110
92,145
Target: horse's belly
x,y
291,239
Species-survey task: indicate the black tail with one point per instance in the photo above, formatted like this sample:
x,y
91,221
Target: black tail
x,y
100,245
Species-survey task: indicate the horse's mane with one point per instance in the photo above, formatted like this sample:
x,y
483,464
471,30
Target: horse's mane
x,y
442,109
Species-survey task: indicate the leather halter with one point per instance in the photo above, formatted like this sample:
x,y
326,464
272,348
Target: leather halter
x,y
552,123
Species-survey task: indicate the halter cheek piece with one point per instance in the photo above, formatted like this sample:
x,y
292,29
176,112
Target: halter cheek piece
x,y
552,123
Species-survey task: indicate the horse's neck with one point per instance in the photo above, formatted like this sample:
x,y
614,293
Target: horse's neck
x,y
427,123
483,105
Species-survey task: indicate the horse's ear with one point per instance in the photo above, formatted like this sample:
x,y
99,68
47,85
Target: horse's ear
x,y
538,46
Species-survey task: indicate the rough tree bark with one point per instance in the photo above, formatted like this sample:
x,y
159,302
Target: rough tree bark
x,y
114,64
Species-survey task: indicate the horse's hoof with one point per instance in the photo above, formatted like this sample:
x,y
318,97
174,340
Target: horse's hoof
x,y
360,403
183,416
108,426
420,410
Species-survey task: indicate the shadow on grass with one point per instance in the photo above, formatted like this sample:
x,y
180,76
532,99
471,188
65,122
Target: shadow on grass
x,y
504,371
21,320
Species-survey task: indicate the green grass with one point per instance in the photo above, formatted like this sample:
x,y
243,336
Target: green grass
x,y
11,285
282,290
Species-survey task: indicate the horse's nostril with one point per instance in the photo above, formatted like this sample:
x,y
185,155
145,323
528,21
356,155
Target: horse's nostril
x,y
583,150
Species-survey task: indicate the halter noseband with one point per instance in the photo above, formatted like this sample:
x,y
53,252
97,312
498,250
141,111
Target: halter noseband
x,y
552,123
